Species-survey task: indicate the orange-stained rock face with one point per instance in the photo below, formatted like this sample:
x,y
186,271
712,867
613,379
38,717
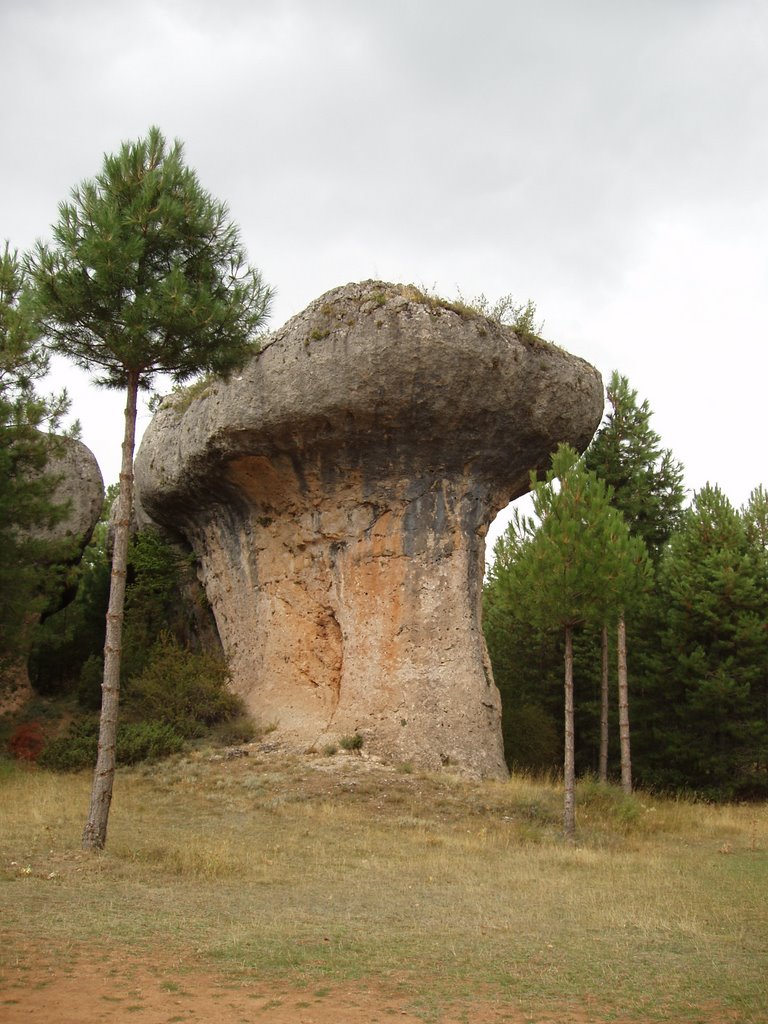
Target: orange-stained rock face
x,y
338,494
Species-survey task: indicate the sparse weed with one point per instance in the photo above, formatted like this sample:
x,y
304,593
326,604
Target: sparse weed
x,y
506,311
520,316
182,397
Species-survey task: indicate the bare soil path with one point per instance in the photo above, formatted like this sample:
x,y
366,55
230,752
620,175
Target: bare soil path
x,y
85,987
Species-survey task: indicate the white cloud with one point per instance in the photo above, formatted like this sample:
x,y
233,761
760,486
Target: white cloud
x,y
607,159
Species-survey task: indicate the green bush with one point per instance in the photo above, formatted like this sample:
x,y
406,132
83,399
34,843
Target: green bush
x,y
136,741
75,750
179,695
153,600
146,741
187,690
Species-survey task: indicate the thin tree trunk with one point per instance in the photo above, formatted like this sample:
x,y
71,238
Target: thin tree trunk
x,y
569,767
626,758
603,767
95,831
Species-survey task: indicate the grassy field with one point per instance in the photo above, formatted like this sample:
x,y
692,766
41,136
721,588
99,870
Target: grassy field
x,y
321,869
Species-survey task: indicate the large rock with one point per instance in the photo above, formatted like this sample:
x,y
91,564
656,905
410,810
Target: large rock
x,y
79,486
337,494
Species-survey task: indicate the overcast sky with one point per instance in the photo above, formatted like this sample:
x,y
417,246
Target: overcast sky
x,y
606,158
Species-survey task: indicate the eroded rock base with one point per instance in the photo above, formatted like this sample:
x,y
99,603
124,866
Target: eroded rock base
x,y
343,617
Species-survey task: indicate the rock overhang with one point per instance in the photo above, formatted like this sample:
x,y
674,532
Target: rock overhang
x,y
375,370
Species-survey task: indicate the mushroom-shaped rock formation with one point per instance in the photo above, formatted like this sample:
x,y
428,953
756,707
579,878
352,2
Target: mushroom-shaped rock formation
x,y
337,494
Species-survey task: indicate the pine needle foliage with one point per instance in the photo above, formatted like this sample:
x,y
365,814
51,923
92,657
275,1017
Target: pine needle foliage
x,y
579,567
27,423
646,479
146,274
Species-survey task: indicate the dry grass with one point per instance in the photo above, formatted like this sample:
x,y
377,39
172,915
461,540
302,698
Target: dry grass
x,y
338,868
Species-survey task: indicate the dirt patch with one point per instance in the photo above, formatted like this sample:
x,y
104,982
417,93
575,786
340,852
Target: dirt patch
x,y
88,987
138,991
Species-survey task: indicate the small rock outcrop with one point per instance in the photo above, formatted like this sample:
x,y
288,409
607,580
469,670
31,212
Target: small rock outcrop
x,y
79,486
337,494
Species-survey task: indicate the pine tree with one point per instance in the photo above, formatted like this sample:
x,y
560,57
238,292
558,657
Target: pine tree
x,y
527,660
646,479
27,421
647,485
580,567
755,518
710,728
146,274
755,515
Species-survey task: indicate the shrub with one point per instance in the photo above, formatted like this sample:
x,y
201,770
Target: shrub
x,y
240,729
183,688
27,741
75,750
153,599
136,741
146,741
354,742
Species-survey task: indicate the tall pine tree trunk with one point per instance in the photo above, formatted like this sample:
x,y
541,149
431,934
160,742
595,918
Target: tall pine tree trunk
x,y
95,831
626,758
603,765
569,766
